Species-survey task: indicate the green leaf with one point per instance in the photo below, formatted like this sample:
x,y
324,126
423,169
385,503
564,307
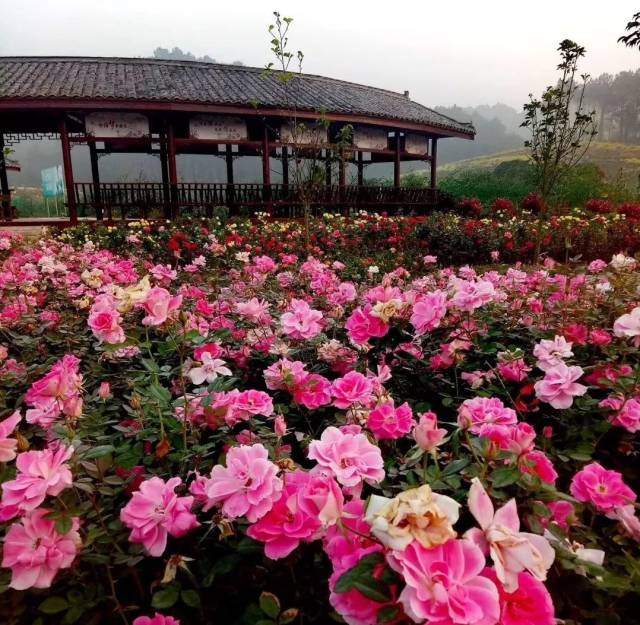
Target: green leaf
x,y
53,605
99,451
269,604
388,613
165,598
373,589
64,525
505,476
455,467
74,613
190,598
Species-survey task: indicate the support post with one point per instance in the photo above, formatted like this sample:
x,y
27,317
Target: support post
x,y
95,178
173,171
360,169
434,163
230,183
166,193
5,192
327,169
266,170
342,179
396,163
68,172
285,165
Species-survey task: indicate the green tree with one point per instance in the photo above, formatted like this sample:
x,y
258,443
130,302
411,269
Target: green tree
x,y
632,38
561,127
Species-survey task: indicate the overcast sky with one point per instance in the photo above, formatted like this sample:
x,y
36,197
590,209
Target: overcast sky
x,y
464,52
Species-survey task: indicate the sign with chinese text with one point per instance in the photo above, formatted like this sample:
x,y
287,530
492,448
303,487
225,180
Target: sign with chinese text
x,y
217,128
303,134
416,144
370,138
116,125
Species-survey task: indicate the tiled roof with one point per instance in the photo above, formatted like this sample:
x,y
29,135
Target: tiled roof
x,y
152,80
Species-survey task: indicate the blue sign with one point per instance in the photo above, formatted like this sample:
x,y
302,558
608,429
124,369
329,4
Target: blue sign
x,y
52,181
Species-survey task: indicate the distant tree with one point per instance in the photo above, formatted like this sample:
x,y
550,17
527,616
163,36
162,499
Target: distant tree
x,y
632,38
176,54
561,128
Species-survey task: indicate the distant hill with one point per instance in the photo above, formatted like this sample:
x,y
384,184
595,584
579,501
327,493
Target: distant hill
x,y
613,158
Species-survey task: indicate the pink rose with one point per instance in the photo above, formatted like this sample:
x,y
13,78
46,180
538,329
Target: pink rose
x,y
288,522
453,573
362,326
159,304
559,386
427,434
388,422
301,322
40,473
350,457
248,486
155,512
428,312
8,445
353,388
530,604
603,488
35,551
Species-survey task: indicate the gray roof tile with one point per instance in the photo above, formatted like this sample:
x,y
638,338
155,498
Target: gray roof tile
x,y
204,83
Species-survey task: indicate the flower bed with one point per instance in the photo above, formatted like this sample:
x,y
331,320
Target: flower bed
x,y
211,425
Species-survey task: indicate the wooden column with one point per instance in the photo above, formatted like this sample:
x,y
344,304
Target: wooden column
x,y
173,171
434,159
5,192
327,169
95,178
285,165
228,157
342,179
396,162
266,170
360,170
68,172
166,194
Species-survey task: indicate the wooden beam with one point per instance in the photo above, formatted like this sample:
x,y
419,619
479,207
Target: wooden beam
x,y
434,159
5,204
95,178
22,104
68,171
173,170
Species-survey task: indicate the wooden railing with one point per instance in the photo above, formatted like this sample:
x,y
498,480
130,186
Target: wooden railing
x,y
148,196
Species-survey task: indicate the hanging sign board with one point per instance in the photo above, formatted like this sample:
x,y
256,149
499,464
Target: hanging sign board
x,y
303,134
416,144
217,128
116,125
370,138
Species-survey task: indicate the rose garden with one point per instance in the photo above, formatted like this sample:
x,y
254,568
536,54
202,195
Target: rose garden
x,y
258,422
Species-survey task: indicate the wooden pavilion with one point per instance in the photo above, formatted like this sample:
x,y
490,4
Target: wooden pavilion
x,y
166,108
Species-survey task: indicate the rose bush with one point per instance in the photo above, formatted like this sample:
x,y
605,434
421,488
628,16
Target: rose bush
x,y
221,423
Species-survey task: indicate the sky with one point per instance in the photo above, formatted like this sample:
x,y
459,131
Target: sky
x,y
444,52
